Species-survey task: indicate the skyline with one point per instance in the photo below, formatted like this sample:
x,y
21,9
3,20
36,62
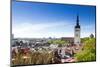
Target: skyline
x,y
36,20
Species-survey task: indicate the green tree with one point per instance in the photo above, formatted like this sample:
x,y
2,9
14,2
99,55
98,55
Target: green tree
x,y
88,52
59,42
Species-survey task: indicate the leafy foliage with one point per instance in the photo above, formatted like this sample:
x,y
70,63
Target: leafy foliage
x,y
33,58
59,42
88,52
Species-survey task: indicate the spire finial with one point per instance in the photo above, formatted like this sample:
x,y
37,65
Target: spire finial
x,y
77,19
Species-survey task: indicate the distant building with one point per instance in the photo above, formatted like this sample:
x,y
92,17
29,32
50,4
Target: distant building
x,y
77,32
54,46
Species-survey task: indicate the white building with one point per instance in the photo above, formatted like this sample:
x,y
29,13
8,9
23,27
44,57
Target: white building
x,y
53,46
77,32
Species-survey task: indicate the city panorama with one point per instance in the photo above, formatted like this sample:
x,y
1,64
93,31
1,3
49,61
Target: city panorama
x,y
52,33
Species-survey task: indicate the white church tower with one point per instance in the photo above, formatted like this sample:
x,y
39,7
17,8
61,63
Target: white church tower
x,y
77,32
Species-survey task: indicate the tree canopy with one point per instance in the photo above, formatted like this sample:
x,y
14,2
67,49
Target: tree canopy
x,y
59,42
88,53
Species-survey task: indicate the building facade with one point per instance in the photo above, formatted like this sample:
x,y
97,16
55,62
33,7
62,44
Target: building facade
x,y
77,31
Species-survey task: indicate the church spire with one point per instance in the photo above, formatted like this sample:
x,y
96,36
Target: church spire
x,y
77,31
77,22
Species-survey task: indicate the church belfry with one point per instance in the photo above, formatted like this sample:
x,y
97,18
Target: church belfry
x,y
77,32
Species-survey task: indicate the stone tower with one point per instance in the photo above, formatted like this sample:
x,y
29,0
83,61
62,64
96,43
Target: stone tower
x,y
77,32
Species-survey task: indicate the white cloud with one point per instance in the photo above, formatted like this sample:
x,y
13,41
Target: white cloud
x,y
39,30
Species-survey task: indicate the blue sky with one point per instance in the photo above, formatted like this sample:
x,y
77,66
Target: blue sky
x,y
39,20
